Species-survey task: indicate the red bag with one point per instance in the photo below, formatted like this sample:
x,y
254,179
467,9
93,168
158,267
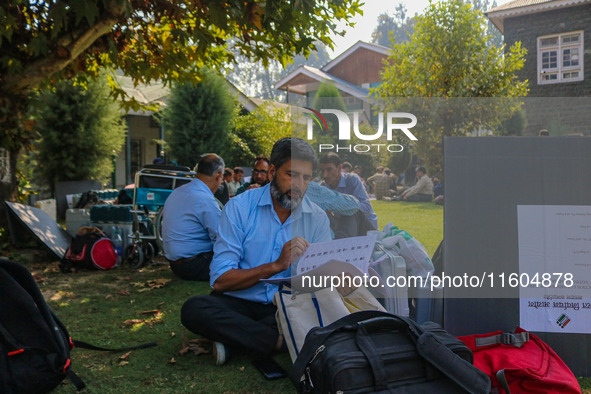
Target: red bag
x,y
90,249
520,363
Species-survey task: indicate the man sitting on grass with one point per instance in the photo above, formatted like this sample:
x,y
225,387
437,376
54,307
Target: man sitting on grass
x,y
190,221
261,233
260,175
422,191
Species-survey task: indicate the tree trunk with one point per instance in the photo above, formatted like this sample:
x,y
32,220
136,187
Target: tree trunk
x,y
8,190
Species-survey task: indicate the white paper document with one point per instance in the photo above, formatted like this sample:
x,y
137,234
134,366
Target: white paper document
x,y
555,268
347,254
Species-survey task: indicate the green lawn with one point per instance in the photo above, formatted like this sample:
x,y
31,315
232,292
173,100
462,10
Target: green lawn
x,y
424,221
95,306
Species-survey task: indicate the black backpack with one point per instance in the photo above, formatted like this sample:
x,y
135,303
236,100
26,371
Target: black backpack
x,y
372,351
87,200
34,344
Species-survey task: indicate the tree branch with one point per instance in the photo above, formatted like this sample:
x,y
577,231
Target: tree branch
x,y
71,45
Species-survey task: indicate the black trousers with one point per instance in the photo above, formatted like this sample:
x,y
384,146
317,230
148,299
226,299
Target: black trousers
x,y
344,226
233,321
196,268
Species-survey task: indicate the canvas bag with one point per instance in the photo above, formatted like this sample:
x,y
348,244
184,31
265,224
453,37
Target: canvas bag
x,y
520,362
297,313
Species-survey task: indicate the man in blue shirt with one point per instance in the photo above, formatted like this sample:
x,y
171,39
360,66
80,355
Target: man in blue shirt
x,y
260,175
190,220
330,166
261,234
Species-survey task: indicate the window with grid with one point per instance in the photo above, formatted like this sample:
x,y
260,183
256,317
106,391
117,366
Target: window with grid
x,y
560,58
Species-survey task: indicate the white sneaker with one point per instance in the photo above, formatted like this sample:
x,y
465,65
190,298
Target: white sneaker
x,y
221,353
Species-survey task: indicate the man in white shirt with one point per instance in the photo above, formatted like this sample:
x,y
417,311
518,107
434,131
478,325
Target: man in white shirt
x,y
422,191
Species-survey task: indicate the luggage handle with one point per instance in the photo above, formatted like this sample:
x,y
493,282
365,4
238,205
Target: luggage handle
x,y
506,338
453,366
385,322
376,363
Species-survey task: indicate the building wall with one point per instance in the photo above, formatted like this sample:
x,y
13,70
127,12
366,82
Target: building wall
x,y
528,28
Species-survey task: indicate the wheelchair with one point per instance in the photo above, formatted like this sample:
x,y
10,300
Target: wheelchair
x,y
153,184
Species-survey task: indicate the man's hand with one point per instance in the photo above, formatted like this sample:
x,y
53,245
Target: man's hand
x,y
253,186
292,250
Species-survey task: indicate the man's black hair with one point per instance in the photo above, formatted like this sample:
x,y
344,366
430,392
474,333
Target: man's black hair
x,y
346,164
210,164
331,158
292,148
238,169
228,172
422,169
263,158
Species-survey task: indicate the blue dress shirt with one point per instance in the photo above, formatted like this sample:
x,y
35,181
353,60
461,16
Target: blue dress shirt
x,y
250,234
331,200
351,184
190,220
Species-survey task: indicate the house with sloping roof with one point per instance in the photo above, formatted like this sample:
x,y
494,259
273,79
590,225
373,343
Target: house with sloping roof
x,y
144,131
557,36
353,72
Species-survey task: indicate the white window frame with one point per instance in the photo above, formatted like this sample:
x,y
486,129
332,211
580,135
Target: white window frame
x,y
560,69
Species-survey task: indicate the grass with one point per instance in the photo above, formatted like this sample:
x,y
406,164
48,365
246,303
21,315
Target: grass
x,y
95,305
424,221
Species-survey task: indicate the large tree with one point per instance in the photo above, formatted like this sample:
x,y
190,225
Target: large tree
x,y
149,40
396,28
255,133
257,79
81,131
198,119
446,59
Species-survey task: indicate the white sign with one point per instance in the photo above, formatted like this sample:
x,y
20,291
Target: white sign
x,y
555,268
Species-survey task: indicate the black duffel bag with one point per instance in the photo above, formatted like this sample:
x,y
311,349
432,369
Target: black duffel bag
x,y
374,351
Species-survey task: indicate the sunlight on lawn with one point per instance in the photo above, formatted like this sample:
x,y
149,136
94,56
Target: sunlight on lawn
x,y
424,221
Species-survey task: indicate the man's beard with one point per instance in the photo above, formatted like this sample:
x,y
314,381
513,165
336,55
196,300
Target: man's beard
x,y
283,198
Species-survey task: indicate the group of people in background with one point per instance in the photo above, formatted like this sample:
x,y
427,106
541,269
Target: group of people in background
x,y
414,185
233,180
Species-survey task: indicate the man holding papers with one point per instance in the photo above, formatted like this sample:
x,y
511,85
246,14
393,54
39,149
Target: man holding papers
x,y
261,233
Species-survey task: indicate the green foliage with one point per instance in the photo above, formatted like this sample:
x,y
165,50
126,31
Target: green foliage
x,y
42,42
256,133
152,41
495,38
395,29
448,57
328,97
514,125
257,80
81,130
399,162
198,119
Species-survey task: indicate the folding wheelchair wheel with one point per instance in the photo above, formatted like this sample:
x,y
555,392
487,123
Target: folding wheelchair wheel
x,y
134,256
148,250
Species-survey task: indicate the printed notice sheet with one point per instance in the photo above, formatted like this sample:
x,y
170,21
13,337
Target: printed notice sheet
x,y
353,254
555,268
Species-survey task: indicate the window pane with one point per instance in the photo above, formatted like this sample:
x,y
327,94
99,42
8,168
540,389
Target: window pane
x,y
549,59
570,57
549,77
549,41
570,39
570,75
